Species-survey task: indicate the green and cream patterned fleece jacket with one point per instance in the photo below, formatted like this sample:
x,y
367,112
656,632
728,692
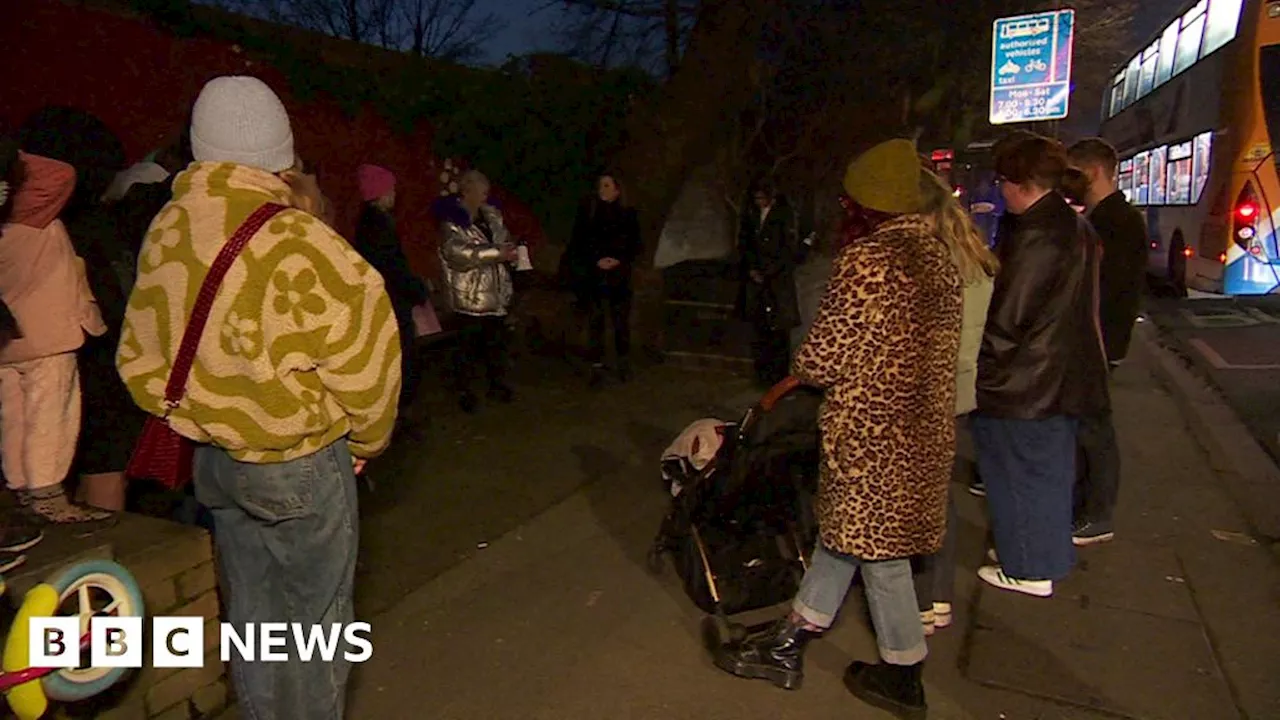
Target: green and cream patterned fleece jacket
x,y
301,347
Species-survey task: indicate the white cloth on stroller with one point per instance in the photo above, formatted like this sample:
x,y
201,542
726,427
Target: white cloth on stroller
x,y
696,446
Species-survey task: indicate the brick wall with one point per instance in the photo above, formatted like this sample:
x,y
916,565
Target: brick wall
x,y
178,579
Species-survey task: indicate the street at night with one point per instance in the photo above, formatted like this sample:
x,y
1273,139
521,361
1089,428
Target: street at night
x,y
640,360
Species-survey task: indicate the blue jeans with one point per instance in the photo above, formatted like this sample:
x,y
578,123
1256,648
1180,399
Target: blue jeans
x,y
891,597
286,536
1029,467
935,575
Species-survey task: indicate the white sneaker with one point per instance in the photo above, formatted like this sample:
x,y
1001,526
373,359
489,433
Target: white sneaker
x,y
927,620
993,575
942,614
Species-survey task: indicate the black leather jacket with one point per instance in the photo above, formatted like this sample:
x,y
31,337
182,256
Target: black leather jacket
x,y
1042,353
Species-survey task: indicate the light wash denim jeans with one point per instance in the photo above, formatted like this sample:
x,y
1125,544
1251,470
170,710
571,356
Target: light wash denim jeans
x,y
891,597
286,536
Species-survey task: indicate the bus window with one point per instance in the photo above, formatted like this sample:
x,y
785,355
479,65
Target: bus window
x,y
1224,18
1149,60
1168,47
1141,179
1189,38
1180,174
1269,65
1117,95
1204,143
1158,175
1131,81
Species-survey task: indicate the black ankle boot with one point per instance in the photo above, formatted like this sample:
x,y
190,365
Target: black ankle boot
x,y
897,689
776,655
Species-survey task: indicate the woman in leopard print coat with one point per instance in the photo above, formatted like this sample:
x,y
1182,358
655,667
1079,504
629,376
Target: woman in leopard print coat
x,y
883,347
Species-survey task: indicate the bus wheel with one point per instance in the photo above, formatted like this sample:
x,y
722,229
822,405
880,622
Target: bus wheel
x,y
1178,265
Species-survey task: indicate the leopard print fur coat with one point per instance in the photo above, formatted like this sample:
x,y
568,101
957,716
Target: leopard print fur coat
x,y
883,347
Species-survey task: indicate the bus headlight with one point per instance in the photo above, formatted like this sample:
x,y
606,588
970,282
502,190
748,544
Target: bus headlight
x,y
1246,233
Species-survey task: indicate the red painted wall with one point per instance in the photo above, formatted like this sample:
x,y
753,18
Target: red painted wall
x,y
142,81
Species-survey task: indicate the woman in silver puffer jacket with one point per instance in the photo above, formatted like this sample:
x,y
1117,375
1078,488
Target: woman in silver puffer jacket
x,y
476,253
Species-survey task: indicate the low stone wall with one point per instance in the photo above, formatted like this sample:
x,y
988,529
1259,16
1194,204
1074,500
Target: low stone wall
x,y
173,565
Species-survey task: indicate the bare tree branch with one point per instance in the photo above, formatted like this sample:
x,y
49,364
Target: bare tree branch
x,y
607,33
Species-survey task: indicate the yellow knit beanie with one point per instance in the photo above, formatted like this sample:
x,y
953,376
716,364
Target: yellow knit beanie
x,y
886,178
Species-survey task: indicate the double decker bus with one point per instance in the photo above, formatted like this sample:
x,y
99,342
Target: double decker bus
x,y
1193,115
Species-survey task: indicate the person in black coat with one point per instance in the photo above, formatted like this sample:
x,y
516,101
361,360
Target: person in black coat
x,y
378,242
601,255
1121,277
769,245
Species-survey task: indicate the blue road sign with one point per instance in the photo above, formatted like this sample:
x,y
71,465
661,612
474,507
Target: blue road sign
x,y
1031,67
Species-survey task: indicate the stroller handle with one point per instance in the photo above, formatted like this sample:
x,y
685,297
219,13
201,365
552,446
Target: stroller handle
x,y
777,392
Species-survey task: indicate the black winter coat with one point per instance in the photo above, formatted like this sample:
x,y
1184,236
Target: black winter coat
x,y
773,250
378,243
1042,352
602,230
1123,231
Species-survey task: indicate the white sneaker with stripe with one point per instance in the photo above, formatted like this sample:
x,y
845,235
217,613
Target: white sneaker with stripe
x,y
994,575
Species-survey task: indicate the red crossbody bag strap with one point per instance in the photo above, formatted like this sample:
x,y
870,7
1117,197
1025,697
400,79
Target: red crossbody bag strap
x,y
177,386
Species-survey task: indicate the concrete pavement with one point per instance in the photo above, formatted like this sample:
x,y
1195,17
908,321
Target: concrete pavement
x,y
558,618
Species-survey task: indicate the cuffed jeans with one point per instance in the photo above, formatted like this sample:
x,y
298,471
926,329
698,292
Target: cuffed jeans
x,y
890,596
1029,469
286,536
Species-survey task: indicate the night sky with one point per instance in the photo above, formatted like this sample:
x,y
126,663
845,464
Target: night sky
x,y
526,32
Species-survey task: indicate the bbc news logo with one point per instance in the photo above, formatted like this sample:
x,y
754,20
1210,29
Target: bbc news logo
x,y
178,642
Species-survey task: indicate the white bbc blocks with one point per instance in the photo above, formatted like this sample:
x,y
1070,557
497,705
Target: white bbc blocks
x,y
113,642
177,642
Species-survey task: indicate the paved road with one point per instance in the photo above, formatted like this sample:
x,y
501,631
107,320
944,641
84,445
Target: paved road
x,y
436,502
558,619
1235,343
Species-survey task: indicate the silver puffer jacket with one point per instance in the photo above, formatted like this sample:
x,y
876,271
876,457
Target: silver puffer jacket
x,y
479,281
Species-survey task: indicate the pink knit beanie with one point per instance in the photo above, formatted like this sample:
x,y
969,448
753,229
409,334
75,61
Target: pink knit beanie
x,y
374,181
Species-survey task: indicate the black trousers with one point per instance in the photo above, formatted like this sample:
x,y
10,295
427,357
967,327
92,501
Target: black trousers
x,y
410,368
1097,469
614,308
772,354
482,344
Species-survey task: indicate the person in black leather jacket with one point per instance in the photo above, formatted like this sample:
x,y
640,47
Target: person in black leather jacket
x,y
1041,368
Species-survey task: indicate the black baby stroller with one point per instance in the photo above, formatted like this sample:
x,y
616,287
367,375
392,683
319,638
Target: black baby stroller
x,y
739,530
